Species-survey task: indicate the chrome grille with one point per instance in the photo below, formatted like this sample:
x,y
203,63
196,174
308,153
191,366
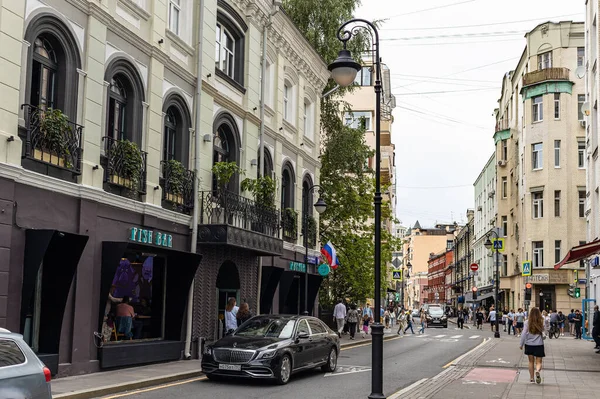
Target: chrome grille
x,y
232,356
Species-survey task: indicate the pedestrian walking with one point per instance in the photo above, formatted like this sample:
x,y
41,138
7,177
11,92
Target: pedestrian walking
x,y
492,317
533,341
596,328
479,317
505,318
577,320
339,316
571,319
352,318
386,318
401,322
460,320
520,319
422,317
510,317
409,322
561,322
393,313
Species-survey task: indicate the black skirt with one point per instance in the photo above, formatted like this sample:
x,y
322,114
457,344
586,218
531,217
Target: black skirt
x,y
535,350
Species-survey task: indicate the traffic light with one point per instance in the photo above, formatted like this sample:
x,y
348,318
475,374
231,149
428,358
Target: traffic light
x,y
528,292
474,293
571,291
577,292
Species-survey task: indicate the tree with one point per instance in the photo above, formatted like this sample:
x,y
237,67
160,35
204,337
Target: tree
x,y
347,183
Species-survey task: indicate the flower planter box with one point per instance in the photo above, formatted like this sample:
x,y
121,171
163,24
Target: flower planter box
x,y
175,198
49,158
121,181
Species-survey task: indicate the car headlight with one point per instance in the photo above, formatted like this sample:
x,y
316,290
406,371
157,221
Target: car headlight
x,y
207,350
268,354
444,317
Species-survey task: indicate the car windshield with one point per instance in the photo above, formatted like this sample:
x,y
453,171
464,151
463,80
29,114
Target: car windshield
x,y
435,311
266,327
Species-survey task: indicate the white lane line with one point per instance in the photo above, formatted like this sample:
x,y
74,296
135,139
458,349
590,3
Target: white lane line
x,y
439,336
474,336
456,336
421,336
399,394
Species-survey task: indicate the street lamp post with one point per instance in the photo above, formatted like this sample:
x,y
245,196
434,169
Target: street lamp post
x,y
343,71
488,244
320,207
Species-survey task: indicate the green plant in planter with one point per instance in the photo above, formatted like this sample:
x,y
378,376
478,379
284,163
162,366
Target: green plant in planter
x,y
312,230
290,217
175,176
131,162
263,190
55,127
224,171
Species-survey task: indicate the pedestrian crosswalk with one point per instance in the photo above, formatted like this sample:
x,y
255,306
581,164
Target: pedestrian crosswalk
x,y
443,336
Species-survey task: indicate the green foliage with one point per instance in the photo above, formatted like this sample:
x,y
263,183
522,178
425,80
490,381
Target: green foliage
x,y
290,222
263,190
175,173
55,127
347,185
312,231
224,171
132,161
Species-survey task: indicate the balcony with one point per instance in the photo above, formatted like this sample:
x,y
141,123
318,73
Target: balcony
x,y
312,232
386,175
229,219
386,139
177,185
52,143
548,74
289,225
124,168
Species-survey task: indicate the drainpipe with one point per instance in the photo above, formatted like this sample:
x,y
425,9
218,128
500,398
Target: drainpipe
x,y
197,143
261,151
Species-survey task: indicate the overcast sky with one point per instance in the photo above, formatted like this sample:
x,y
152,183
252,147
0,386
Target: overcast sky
x,y
443,140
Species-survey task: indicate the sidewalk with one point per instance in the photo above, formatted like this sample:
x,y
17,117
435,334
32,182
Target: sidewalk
x,y
498,369
109,382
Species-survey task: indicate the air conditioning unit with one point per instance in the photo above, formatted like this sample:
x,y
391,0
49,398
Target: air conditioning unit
x,y
582,123
501,163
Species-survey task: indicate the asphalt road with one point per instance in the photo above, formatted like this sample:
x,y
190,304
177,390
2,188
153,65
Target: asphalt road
x,y
407,359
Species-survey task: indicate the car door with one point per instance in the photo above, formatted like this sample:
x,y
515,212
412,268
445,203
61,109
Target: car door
x,y
320,347
302,346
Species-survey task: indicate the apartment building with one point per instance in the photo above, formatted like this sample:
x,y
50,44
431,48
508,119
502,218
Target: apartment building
x,y
540,149
113,116
461,280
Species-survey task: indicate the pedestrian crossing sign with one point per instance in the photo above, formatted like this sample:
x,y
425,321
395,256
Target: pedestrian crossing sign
x,y
498,244
397,275
526,268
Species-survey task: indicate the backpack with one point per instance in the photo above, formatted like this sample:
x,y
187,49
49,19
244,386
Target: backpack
x,y
353,316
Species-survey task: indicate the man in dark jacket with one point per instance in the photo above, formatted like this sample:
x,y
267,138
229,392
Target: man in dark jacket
x,y
596,328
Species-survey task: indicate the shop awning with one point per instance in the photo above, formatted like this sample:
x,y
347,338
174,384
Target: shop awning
x,y
579,252
269,282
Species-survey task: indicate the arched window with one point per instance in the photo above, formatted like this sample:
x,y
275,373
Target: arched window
x,y
125,98
287,186
225,147
170,145
268,166
307,196
229,45
177,123
52,63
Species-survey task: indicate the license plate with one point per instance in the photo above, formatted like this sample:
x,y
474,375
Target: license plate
x,y
436,321
233,367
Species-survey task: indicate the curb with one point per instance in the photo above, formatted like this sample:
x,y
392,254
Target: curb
x,y
130,386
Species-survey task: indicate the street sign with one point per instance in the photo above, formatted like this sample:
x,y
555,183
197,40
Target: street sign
x,y
474,267
397,275
324,269
396,262
498,244
526,268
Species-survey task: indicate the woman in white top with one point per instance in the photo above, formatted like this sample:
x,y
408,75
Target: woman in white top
x,y
533,341
230,315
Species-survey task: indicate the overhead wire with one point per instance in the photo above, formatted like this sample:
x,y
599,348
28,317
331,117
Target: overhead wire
x,y
446,91
432,8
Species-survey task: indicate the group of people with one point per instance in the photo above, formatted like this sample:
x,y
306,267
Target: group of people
x,y
236,315
126,318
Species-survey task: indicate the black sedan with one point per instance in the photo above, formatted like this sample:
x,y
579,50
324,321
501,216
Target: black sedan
x,y
272,347
436,317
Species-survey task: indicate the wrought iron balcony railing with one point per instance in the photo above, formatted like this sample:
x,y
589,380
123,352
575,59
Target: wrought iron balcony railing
x,y
177,185
289,225
55,142
225,207
125,165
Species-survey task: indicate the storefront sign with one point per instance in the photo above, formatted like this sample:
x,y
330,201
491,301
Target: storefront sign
x,y
297,267
538,278
324,269
146,236
312,259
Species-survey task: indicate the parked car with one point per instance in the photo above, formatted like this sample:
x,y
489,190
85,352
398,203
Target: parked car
x,y
436,317
22,374
272,347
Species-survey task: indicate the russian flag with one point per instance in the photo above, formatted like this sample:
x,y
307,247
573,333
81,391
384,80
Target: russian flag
x,y
328,251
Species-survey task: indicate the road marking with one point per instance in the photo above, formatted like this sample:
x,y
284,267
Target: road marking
x,y
368,343
474,336
439,336
120,395
399,394
458,359
421,336
347,370
499,360
456,336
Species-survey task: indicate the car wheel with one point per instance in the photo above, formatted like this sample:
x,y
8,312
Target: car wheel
x,y
331,362
282,376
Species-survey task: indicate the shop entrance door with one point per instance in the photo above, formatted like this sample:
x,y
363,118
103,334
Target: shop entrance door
x,y
546,298
228,286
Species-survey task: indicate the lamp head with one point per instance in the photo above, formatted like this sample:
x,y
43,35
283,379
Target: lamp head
x,y
488,244
344,68
320,206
